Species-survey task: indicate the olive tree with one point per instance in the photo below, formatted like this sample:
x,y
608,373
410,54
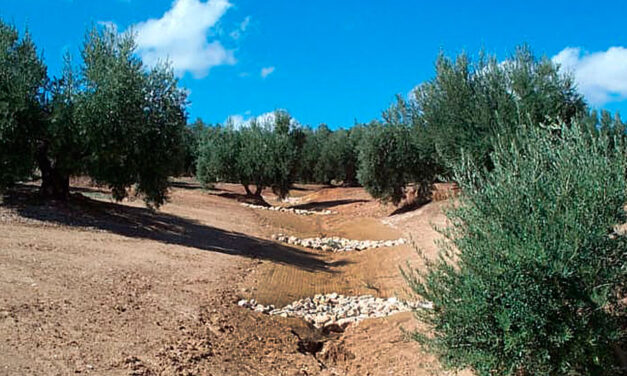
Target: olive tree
x,y
23,79
395,153
530,277
468,103
133,118
113,119
259,154
461,110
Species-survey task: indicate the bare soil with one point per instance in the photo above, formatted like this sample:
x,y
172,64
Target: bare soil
x,y
97,287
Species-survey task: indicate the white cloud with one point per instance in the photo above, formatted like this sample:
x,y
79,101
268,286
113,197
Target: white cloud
x,y
181,36
600,76
236,34
265,72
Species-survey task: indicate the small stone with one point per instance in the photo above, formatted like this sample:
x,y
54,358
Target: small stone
x,y
321,320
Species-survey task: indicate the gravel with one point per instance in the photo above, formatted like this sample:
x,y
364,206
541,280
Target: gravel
x,y
337,244
324,311
289,210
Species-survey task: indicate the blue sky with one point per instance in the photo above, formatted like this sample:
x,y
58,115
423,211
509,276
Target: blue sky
x,y
334,62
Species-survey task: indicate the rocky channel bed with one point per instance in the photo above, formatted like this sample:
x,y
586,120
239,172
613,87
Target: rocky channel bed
x,y
337,244
336,312
289,210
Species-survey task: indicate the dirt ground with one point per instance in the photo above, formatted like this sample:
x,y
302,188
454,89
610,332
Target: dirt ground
x,y
96,287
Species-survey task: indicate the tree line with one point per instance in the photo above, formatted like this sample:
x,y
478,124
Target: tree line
x,y
124,125
416,142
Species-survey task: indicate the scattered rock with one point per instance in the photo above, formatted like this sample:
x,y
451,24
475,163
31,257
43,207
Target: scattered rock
x,y
288,210
334,312
337,244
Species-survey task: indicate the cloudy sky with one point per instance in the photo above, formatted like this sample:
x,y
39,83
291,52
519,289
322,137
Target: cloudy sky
x,y
330,61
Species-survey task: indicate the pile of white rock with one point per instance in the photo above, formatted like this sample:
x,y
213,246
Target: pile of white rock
x,y
337,244
288,210
338,311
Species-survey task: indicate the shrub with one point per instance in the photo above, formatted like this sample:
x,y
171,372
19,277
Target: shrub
x,y
531,271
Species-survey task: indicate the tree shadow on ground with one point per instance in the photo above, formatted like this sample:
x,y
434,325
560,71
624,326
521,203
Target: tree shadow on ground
x,y
415,205
137,222
326,204
297,188
90,190
241,197
188,185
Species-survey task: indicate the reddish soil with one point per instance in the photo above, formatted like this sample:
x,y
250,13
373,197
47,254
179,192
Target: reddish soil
x,y
97,287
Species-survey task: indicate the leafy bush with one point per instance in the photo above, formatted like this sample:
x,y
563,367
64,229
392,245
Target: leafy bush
x,y
530,274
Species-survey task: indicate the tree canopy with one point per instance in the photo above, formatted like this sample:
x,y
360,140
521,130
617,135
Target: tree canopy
x,y
113,119
530,277
461,111
261,154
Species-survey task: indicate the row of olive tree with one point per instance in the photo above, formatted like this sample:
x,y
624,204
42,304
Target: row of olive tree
x,y
112,119
462,110
275,152
531,274
419,139
260,154
331,156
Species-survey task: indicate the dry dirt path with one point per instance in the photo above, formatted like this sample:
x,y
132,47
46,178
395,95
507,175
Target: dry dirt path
x,y
94,287
378,345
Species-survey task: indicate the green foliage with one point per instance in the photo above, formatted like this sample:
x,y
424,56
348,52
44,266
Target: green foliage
x,y
115,120
134,119
462,109
396,153
528,280
22,83
310,155
64,137
383,161
259,154
192,141
284,144
217,156
466,105
330,155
